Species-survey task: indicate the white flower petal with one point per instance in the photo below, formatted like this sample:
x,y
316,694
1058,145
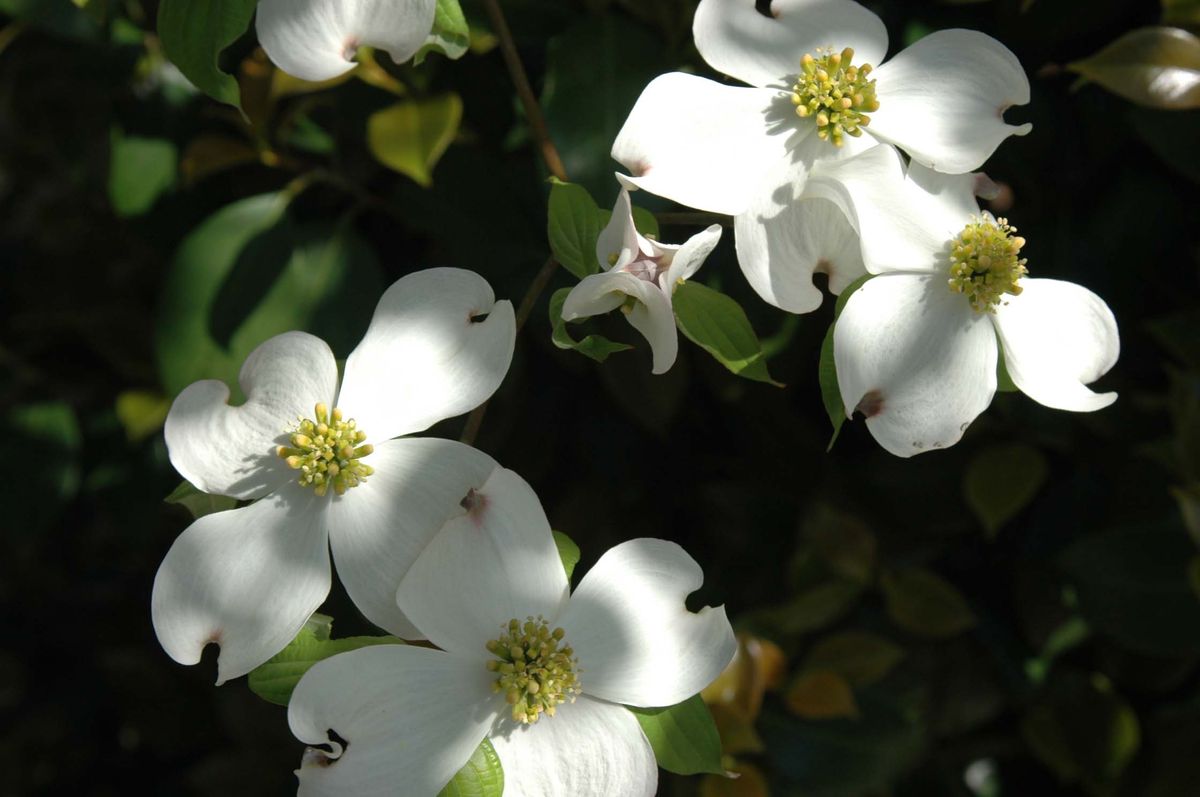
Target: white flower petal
x,y
589,748
702,144
379,528
688,258
653,317
905,223
780,252
246,579
596,294
1057,337
765,51
916,360
943,99
425,357
617,243
636,641
231,450
495,562
410,717
317,39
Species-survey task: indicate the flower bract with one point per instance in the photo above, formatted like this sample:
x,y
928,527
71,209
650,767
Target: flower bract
x,y
247,579
318,39
641,277
819,91
917,346
542,673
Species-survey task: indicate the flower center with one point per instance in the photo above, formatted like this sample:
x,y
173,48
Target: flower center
x,y
985,263
327,451
837,94
533,672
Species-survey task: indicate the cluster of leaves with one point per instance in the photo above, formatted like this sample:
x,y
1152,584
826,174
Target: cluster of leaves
x,y
1016,616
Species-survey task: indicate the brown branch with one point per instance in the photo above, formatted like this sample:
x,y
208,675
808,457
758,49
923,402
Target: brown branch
x,y
521,81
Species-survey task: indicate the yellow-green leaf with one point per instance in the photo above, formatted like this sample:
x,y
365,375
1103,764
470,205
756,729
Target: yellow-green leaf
x,y
717,324
684,737
142,413
481,776
1156,66
411,136
821,695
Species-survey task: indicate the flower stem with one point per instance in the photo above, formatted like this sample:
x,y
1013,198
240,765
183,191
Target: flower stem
x,y
521,82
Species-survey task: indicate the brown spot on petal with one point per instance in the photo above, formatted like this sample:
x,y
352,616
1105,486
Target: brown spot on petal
x,y
474,502
871,404
823,266
640,168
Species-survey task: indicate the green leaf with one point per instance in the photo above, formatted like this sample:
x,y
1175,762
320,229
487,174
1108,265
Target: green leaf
x,y
831,394
1155,66
251,271
859,657
198,503
142,413
1004,382
140,170
450,36
684,737
481,776
573,225
411,136
60,17
1083,730
195,32
1001,481
1133,585
718,324
645,222
595,346
925,604
595,71
568,551
275,679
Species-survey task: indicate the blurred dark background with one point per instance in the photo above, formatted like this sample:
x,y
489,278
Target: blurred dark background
x,y
1018,615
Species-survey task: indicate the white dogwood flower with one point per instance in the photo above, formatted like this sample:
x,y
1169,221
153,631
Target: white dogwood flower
x,y
324,470
916,347
318,39
542,673
819,91
641,278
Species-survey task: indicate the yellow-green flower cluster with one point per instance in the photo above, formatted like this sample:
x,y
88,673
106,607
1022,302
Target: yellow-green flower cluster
x,y
985,263
836,93
327,451
534,673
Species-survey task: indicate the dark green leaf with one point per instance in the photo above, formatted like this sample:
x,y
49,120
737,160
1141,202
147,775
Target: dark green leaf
x,y
684,737
568,551
1001,481
718,324
275,679
249,272
861,658
482,776
595,346
1133,585
1157,66
831,394
574,224
645,222
923,603
140,170
198,503
193,35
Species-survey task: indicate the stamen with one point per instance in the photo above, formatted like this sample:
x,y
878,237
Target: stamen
x,y
327,451
985,263
837,94
533,672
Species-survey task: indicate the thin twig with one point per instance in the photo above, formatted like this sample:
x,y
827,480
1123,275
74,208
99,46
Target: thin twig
x,y
521,82
554,163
